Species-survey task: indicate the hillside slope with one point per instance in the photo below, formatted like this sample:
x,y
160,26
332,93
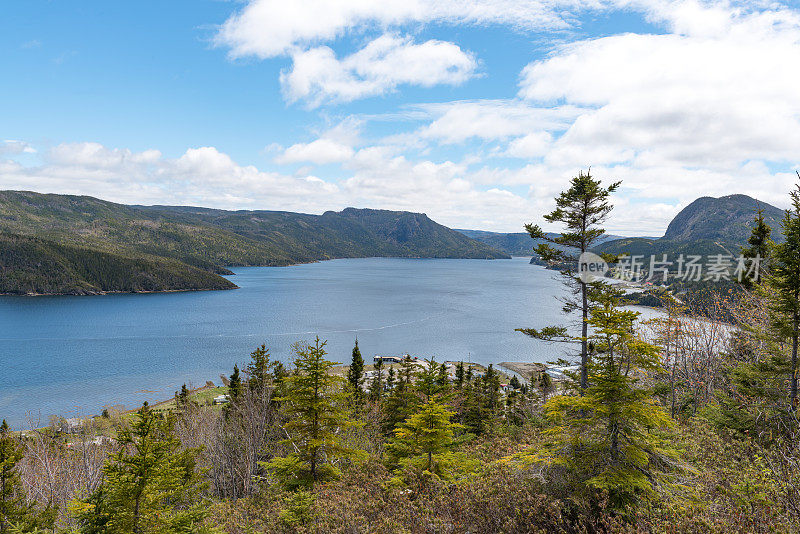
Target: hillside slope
x,y
705,227
515,243
178,247
727,219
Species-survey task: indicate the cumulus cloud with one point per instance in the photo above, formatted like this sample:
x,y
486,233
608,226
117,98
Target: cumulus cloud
x,y
376,177
274,28
455,122
716,94
530,146
320,151
318,76
13,147
201,175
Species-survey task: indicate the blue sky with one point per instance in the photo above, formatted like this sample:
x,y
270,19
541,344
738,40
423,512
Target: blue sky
x,y
475,112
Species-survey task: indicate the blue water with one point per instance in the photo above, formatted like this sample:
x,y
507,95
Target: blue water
x,y
73,355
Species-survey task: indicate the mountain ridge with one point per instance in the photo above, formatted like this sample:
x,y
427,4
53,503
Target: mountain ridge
x,y
707,226
170,247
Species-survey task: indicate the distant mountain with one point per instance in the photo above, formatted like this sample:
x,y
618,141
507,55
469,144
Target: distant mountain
x,y
727,219
706,226
514,244
81,245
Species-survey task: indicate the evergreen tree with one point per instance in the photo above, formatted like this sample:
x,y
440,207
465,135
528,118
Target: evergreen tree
x,y
390,378
514,382
314,400
612,439
443,380
235,385
355,375
403,400
760,245
150,485
460,375
420,449
763,399
491,393
784,277
259,371
182,398
474,416
376,386
429,380
16,514
545,384
581,209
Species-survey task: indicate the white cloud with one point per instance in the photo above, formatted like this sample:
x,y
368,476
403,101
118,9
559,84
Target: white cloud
x,y
204,176
270,28
298,28
714,95
456,122
386,62
533,145
201,176
320,152
11,146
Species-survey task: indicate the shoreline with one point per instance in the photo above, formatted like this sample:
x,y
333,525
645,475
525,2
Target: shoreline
x,y
121,292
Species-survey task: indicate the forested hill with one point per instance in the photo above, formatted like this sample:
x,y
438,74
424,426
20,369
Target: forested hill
x,y
515,243
707,226
62,244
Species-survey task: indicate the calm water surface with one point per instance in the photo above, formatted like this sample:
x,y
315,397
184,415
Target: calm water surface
x,y
74,355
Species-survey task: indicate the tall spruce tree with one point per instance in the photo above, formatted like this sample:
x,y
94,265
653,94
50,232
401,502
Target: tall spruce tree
x,y
581,209
260,370
612,439
151,484
377,384
314,400
16,513
403,399
355,375
390,378
762,398
235,385
421,448
759,249
460,375
784,277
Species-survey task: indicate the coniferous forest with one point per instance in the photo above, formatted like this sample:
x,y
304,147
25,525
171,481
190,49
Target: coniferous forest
x,y
676,424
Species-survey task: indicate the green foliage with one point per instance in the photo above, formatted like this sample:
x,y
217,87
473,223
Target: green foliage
x,y
355,374
760,247
81,245
151,485
784,277
44,266
235,387
182,397
762,400
16,513
260,371
314,401
581,209
298,509
460,375
611,440
377,384
404,399
421,448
